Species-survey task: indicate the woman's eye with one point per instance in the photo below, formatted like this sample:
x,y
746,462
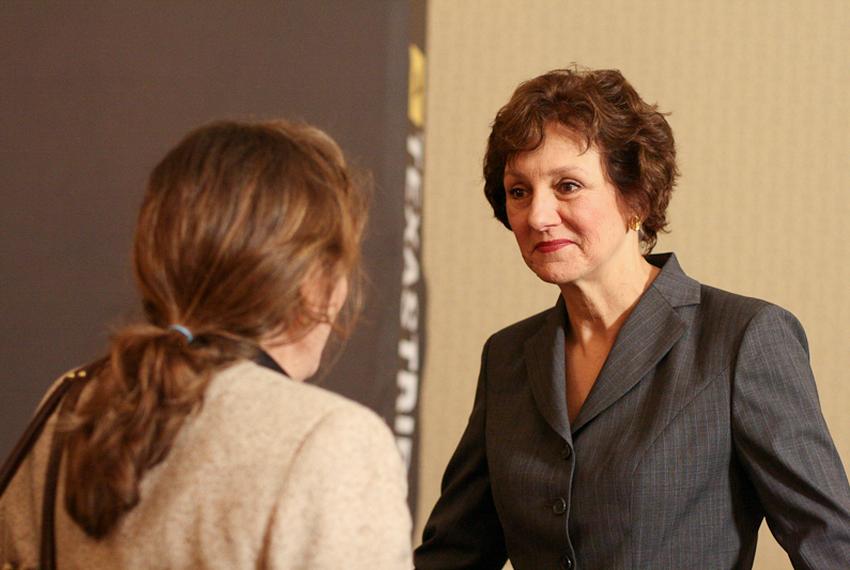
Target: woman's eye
x,y
567,187
517,193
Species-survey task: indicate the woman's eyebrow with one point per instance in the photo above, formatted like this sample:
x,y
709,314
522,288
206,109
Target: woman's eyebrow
x,y
552,173
565,170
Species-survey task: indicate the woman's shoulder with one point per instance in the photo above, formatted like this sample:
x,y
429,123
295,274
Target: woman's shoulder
x,y
741,310
267,405
247,380
710,303
724,324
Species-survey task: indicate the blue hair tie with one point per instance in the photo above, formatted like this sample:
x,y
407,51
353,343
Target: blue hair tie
x,y
184,331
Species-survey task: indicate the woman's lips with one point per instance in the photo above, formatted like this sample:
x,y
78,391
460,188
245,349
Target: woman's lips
x,y
553,245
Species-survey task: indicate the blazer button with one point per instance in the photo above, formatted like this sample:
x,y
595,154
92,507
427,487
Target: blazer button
x,y
566,452
566,562
559,507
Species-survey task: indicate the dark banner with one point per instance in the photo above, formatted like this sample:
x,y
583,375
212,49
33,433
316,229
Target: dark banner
x,y
411,342
93,95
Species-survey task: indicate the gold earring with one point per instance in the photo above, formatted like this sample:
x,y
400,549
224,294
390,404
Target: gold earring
x,y
634,224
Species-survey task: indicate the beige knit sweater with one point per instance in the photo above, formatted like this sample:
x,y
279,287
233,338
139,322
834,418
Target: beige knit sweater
x,y
270,473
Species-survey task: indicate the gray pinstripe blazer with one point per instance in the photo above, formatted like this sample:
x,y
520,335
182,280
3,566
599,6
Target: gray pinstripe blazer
x,y
703,421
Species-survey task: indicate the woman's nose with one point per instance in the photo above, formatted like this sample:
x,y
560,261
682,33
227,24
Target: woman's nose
x,y
543,211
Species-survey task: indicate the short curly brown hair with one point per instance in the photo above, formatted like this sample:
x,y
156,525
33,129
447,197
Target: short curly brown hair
x,y
633,138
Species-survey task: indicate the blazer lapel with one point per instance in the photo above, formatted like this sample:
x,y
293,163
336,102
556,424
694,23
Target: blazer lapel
x,y
649,333
544,357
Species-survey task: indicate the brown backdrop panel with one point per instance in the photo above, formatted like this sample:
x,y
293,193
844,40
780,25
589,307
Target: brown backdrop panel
x,y
94,93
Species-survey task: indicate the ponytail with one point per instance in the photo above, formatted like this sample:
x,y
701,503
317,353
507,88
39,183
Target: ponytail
x,y
127,422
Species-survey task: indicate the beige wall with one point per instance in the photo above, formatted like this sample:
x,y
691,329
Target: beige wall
x,y
758,92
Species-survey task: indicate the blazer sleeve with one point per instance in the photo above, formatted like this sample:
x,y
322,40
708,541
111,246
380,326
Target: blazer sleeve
x,y
783,442
463,530
343,503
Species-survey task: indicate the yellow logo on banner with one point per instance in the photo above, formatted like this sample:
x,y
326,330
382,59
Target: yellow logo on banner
x,y
416,87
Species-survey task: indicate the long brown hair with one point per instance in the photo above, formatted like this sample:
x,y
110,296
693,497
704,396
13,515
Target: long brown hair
x,y
236,219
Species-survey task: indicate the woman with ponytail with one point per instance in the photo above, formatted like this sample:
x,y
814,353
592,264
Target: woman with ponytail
x,y
193,443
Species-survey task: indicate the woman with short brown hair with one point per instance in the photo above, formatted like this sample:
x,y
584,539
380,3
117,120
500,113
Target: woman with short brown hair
x,y
647,420
194,444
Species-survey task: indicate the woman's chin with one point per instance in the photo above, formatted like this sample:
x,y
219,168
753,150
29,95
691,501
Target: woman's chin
x,y
558,273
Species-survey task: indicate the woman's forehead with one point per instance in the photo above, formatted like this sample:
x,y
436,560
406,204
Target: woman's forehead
x,y
558,138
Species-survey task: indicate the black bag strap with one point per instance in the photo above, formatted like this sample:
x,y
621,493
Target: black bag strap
x,y
72,383
47,557
33,431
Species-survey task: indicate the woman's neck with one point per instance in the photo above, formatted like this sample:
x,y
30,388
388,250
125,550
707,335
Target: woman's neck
x,y
598,306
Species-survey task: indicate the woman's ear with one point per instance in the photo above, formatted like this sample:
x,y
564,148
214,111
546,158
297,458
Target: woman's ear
x,y
632,212
324,292
337,299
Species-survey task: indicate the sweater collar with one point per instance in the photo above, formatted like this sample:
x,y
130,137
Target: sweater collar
x,y
266,361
